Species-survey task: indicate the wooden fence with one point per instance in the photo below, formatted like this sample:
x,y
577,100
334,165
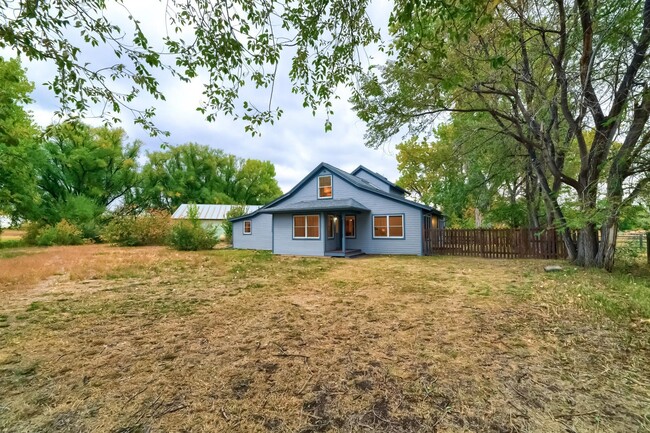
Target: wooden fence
x,y
525,243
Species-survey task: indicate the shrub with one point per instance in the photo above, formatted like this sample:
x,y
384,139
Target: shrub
x,y
628,254
186,236
151,228
32,231
84,213
234,212
64,233
191,235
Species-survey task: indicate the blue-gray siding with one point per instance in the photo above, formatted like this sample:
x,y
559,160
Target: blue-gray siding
x,y
285,244
411,244
261,237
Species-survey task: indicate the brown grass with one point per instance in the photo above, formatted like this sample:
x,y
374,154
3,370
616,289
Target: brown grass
x,y
11,234
134,340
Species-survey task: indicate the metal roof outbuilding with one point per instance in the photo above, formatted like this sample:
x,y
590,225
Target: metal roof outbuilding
x,y
210,211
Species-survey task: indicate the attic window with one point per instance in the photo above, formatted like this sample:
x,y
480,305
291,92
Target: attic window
x,y
325,186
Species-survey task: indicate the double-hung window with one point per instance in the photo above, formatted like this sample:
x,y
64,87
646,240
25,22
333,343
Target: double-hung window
x,y
325,186
306,227
388,226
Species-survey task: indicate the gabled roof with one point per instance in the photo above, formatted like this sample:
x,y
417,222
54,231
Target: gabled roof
x,y
354,180
377,176
209,211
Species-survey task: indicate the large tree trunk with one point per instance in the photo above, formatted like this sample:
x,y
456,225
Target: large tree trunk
x,y
587,246
607,249
478,218
552,206
532,195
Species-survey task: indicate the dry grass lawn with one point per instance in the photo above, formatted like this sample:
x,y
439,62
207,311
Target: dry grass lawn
x,y
106,339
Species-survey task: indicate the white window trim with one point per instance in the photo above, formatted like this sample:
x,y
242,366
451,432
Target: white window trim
x,y
293,227
388,227
250,226
331,186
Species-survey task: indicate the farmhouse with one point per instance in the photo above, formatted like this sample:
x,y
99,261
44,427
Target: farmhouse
x,y
210,215
335,213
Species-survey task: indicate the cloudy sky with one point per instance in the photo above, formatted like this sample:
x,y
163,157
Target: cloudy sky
x,y
295,144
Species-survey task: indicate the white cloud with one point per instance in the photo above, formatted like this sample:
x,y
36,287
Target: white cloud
x,y
295,144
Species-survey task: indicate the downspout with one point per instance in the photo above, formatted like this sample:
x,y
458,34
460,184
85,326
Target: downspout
x,y
342,225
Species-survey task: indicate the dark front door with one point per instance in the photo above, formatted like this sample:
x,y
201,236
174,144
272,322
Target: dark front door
x,y
334,232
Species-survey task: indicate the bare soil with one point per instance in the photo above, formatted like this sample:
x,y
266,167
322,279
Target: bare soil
x,y
105,339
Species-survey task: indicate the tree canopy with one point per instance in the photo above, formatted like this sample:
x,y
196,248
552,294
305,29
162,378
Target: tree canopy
x,y
193,173
18,149
231,44
565,80
476,179
83,171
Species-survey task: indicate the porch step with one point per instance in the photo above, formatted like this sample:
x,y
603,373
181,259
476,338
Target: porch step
x,y
348,253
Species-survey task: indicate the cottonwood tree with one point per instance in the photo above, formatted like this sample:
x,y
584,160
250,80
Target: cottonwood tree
x,y
194,173
18,142
97,162
473,177
230,43
550,73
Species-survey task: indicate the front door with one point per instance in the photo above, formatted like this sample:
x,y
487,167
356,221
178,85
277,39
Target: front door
x,y
334,238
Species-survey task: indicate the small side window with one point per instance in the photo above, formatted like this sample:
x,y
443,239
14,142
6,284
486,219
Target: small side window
x,y
248,227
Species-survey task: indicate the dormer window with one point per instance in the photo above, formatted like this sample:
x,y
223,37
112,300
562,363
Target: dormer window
x,y
325,186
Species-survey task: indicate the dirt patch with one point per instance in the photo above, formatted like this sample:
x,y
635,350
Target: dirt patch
x,y
148,339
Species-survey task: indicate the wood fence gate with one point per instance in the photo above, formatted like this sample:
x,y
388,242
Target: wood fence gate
x,y
523,243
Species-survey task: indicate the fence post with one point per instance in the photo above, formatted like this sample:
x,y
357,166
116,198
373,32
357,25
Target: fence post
x,y
647,244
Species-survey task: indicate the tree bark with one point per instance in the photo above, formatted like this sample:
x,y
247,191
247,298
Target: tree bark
x,y
532,194
552,206
587,246
607,250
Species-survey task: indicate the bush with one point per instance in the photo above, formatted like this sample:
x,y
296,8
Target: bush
x,y
63,233
186,236
32,231
151,228
628,254
191,235
84,213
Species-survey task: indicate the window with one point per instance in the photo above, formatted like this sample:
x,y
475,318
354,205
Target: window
x,y
306,227
388,226
350,226
325,186
248,227
332,226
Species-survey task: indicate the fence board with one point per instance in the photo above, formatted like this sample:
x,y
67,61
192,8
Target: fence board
x,y
530,243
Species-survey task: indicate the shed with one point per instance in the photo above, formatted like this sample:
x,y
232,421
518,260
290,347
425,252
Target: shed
x,y
210,214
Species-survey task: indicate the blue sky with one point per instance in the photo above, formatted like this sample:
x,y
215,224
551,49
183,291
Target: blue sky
x,y
295,144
